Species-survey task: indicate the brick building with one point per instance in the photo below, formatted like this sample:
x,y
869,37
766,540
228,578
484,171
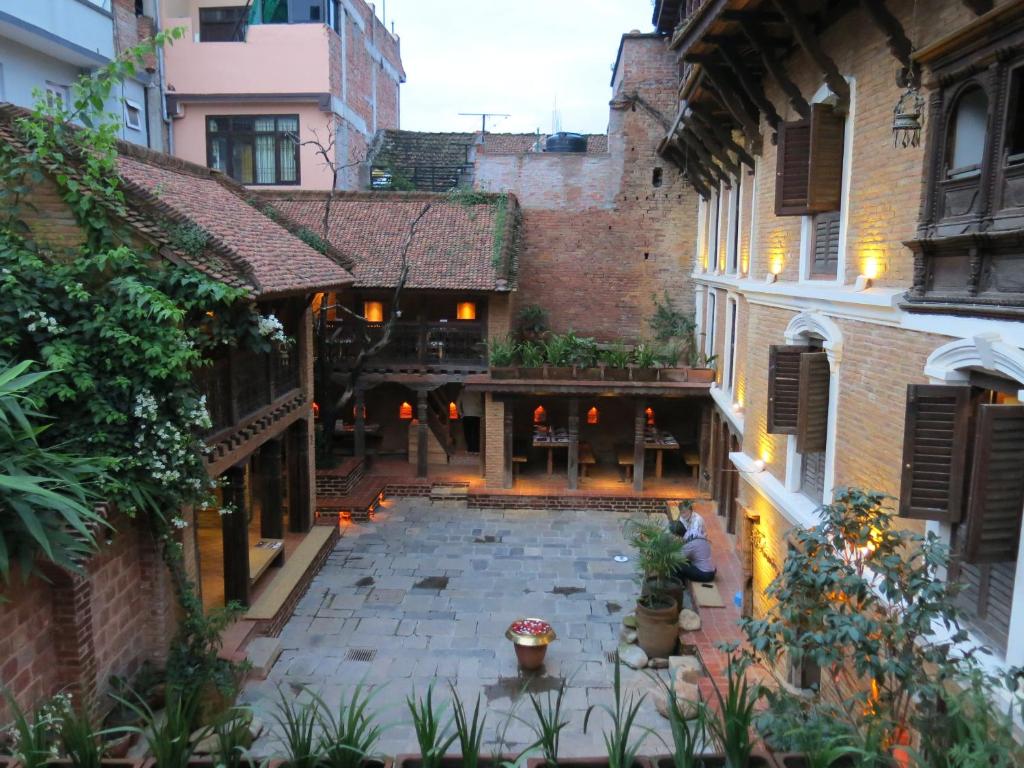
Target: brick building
x,y
861,290
79,629
252,84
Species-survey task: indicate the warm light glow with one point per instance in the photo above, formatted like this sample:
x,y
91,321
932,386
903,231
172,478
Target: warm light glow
x,y
316,411
650,417
453,411
405,411
354,412
465,310
737,407
540,416
776,264
373,311
318,300
759,465
592,415
871,266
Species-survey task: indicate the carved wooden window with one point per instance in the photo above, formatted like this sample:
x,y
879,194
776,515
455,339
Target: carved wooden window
x,y
968,129
784,387
809,163
1014,145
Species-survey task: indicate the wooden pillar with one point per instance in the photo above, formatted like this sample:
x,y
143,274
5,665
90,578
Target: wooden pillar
x,y
509,443
421,433
271,511
639,433
300,514
235,527
573,461
359,429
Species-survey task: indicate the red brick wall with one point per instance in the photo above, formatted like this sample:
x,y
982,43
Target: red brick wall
x,y
75,632
600,241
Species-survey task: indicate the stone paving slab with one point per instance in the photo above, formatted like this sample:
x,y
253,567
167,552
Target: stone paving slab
x,y
500,565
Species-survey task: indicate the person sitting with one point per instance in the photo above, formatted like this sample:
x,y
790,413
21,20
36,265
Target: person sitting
x,y
699,566
690,525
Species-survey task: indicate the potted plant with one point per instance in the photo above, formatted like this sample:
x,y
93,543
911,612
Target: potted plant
x,y
583,357
469,729
231,740
619,744
730,726
34,737
531,360
348,738
502,358
558,350
530,638
702,367
169,734
616,362
532,323
433,733
658,555
688,729
645,356
81,745
547,726
297,723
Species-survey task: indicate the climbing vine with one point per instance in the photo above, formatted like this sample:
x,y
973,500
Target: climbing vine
x,y
124,333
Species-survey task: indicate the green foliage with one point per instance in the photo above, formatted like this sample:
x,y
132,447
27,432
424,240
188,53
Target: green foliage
x,y
433,732
348,738
531,354
615,356
621,749
397,182
864,600
312,239
193,662
532,321
188,237
731,724
688,734
33,737
500,220
468,197
79,742
167,734
502,352
297,723
645,355
232,737
49,493
658,554
557,350
468,728
549,723
669,324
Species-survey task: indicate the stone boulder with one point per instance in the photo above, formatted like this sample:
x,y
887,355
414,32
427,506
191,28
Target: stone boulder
x,y
689,621
632,656
688,697
686,668
627,636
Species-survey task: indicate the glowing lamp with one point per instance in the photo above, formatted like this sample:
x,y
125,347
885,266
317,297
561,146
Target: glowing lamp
x,y
759,465
316,411
872,267
373,311
465,310
592,415
650,416
354,412
405,411
540,416
453,411
318,300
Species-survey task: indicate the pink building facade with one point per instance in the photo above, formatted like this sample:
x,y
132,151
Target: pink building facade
x,y
254,96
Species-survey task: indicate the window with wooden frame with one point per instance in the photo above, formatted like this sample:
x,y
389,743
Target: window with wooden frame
x,y
254,149
824,247
962,456
809,163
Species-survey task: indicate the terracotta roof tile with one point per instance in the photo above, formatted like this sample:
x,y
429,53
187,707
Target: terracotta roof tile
x,y
454,246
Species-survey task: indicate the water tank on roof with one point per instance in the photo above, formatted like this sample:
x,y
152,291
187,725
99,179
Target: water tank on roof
x,y
565,142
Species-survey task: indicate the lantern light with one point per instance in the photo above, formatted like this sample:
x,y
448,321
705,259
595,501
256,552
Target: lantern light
x,y
465,310
373,311
354,416
316,410
453,411
650,416
405,411
593,415
540,416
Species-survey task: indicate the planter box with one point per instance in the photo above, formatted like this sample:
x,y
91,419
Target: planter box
x,y
616,374
673,374
558,372
449,761
703,375
106,762
644,374
586,762
504,373
790,760
588,374
756,760
530,373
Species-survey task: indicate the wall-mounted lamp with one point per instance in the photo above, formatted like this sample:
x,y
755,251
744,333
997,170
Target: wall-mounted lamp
x,y
771,277
373,311
405,411
862,283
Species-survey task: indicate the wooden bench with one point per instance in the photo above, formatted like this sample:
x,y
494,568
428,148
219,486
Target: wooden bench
x,y
692,460
277,592
586,458
625,458
262,556
517,459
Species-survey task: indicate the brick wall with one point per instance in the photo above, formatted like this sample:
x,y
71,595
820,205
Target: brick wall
x,y
595,225
77,631
494,441
339,481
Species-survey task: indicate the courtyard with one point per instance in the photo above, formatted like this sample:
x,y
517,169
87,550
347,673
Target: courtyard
x,y
423,595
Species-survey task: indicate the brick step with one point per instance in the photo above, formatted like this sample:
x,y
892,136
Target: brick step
x,y
359,503
449,492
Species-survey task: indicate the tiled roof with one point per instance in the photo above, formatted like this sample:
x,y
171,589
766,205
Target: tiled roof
x,y
245,248
457,245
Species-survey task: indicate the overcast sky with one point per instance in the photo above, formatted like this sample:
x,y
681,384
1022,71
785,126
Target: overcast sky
x,y
516,57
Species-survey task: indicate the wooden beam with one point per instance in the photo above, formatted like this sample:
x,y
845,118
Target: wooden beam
x,y
509,442
775,68
708,123
751,85
979,6
235,536
690,170
890,26
359,427
708,162
804,35
300,503
271,510
731,102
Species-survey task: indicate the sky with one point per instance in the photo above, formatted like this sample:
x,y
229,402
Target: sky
x,y
520,57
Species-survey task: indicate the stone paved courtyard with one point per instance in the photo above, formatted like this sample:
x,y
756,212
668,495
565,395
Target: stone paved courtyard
x,y
423,595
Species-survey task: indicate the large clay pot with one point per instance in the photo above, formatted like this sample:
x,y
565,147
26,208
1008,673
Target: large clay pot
x,y
530,657
656,630
672,587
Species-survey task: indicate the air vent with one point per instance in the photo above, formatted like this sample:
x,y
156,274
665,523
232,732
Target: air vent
x,y
361,654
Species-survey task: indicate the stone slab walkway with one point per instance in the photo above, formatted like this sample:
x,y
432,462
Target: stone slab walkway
x,y
424,594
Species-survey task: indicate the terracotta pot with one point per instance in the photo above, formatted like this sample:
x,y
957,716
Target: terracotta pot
x,y
450,761
530,373
657,631
116,749
616,374
106,762
673,374
756,760
791,760
702,375
588,374
504,373
530,649
530,657
558,372
672,587
644,374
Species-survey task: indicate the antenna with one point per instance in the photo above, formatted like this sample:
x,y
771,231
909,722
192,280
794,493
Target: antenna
x,y
483,117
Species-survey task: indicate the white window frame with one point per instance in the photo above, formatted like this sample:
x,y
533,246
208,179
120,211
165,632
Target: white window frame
x,y
733,226
732,315
807,222
752,245
700,262
129,105
715,231
63,92
712,310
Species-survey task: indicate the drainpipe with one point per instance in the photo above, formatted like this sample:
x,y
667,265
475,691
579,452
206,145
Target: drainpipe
x,y
163,84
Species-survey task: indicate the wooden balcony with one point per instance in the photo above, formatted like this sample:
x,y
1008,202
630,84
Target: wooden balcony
x,y
243,383
414,346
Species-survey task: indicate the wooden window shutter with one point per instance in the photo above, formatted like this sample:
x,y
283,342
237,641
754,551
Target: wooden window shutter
x,y
812,411
783,388
825,251
934,452
825,175
793,159
996,500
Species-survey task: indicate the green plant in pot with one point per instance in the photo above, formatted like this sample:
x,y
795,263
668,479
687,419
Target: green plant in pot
x,y
645,357
531,359
349,736
297,722
168,733
558,356
688,726
532,322
658,554
502,357
619,743
33,737
434,732
731,726
548,723
615,362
